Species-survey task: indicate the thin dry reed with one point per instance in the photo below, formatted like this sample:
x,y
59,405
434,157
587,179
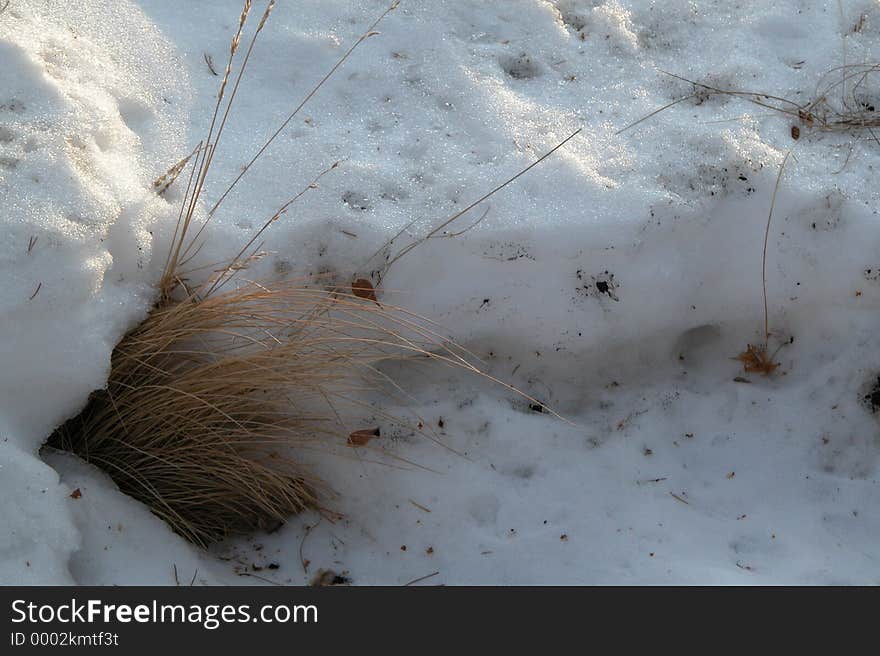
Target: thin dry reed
x,y
845,99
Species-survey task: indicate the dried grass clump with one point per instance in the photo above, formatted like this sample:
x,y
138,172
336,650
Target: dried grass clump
x,y
210,396
215,397
209,401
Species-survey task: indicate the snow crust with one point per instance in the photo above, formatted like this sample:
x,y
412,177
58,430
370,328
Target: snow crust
x,y
614,283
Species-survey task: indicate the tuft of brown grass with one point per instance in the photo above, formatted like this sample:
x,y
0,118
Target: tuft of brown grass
x,y
213,400
756,360
210,401
209,397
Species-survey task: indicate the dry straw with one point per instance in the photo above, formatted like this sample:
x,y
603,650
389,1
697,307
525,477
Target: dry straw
x,y
844,101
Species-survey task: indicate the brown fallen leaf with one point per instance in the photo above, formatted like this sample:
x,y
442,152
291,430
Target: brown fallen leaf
x,y
363,288
76,494
362,437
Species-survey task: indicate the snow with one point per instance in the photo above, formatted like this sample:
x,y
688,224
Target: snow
x,y
81,120
667,470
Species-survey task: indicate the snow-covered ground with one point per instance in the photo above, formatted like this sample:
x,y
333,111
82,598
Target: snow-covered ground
x,y
615,282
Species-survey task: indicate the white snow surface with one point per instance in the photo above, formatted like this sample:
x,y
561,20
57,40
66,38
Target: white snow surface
x,y
614,282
